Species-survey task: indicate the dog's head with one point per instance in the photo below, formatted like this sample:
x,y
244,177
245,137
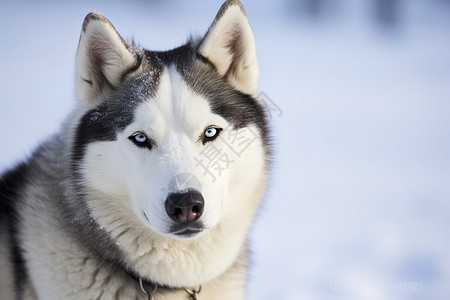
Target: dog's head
x,y
176,139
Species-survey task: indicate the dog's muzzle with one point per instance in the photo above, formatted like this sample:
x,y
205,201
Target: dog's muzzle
x,y
185,209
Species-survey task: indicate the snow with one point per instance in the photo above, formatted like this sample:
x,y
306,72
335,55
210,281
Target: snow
x,y
359,203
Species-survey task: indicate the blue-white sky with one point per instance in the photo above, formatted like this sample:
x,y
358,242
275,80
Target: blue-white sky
x,y
359,203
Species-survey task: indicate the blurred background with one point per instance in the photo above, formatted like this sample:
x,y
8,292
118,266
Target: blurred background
x,y
359,91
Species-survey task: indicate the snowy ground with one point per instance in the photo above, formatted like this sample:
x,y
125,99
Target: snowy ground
x,y
359,205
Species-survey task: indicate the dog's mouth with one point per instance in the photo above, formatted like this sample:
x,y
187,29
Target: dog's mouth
x,y
184,230
187,230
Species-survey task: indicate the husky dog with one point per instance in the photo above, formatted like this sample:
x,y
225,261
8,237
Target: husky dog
x,y
151,187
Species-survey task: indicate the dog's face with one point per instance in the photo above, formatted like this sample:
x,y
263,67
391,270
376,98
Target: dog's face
x,y
178,162
175,139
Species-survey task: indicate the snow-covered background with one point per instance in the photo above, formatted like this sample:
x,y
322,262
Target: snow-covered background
x,y
359,204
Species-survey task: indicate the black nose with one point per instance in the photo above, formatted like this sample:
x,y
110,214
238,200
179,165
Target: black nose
x,y
185,207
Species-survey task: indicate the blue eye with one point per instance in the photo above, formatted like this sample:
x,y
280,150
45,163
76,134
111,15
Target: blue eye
x,y
141,140
210,134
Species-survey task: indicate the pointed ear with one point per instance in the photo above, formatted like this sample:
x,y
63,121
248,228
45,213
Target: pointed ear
x,y
229,44
103,57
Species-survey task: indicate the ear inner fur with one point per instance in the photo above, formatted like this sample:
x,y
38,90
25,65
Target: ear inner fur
x,y
103,58
229,44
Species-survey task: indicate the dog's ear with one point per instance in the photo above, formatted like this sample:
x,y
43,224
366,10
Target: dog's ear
x,y
229,44
102,59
